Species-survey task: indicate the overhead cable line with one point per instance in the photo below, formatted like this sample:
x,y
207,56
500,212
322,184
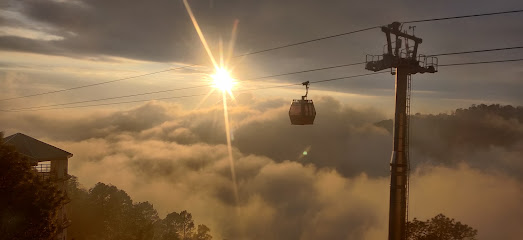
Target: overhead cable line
x,y
264,77
97,84
316,81
370,28
306,71
196,95
483,62
186,88
262,51
464,16
172,69
112,98
475,51
358,63
305,42
105,104
253,89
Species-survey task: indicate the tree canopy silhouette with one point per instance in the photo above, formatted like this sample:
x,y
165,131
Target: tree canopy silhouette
x,y
440,227
108,213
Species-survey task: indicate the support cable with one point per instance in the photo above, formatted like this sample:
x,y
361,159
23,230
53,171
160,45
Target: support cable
x,y
308,41
370,28
483,62
96,84
475,51
193,87
141,94
195,95
464,16
266,50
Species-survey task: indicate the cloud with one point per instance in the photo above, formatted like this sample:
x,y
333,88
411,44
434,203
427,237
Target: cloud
x,y
343,138
104,28
258,127
468,167
98,124
471,196
486,137
287,197
27,33
177,159
160,31
291,200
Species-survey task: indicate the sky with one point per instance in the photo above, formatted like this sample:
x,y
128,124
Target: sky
x,y
173,152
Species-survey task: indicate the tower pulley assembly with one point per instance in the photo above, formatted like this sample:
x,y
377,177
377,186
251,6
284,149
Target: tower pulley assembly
x,y
302,111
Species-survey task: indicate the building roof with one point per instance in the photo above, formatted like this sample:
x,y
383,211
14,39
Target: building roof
x,y
34,149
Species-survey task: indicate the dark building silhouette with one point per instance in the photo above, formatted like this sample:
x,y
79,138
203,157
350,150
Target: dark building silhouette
x,y
51,163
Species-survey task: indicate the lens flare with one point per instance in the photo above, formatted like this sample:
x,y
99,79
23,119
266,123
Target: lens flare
x,y
222,80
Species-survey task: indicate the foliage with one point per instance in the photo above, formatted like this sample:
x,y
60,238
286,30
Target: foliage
x,y
470,127
177,226
108,213
180,226
477,127
440,227
29,204
202,233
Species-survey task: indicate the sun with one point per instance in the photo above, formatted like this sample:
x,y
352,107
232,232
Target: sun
x,y
222,80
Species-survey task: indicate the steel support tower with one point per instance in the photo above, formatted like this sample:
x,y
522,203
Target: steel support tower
x,y
403,61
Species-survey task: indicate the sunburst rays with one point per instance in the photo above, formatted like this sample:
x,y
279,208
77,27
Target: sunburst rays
x,y
224,82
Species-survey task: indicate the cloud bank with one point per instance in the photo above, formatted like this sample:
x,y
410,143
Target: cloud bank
x,y
177,159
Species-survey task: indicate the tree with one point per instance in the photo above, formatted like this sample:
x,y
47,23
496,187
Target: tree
x,y
180,226
29,204
440,227
177,226
83,220
112,208
202,233
186,225
107,213
142,220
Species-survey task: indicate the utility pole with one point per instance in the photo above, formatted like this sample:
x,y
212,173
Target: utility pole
x,y
403,62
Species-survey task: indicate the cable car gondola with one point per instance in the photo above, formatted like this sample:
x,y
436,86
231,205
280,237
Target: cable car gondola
x,y
302,110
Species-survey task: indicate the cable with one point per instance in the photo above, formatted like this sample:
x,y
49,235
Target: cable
x,y
257,78
317,81
177,89
251,79
340,78
112,98
264,50
370,28
165,98
473,63
464,16
253,89
305,71
105,104
172,69
475,51
305,42
97,84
